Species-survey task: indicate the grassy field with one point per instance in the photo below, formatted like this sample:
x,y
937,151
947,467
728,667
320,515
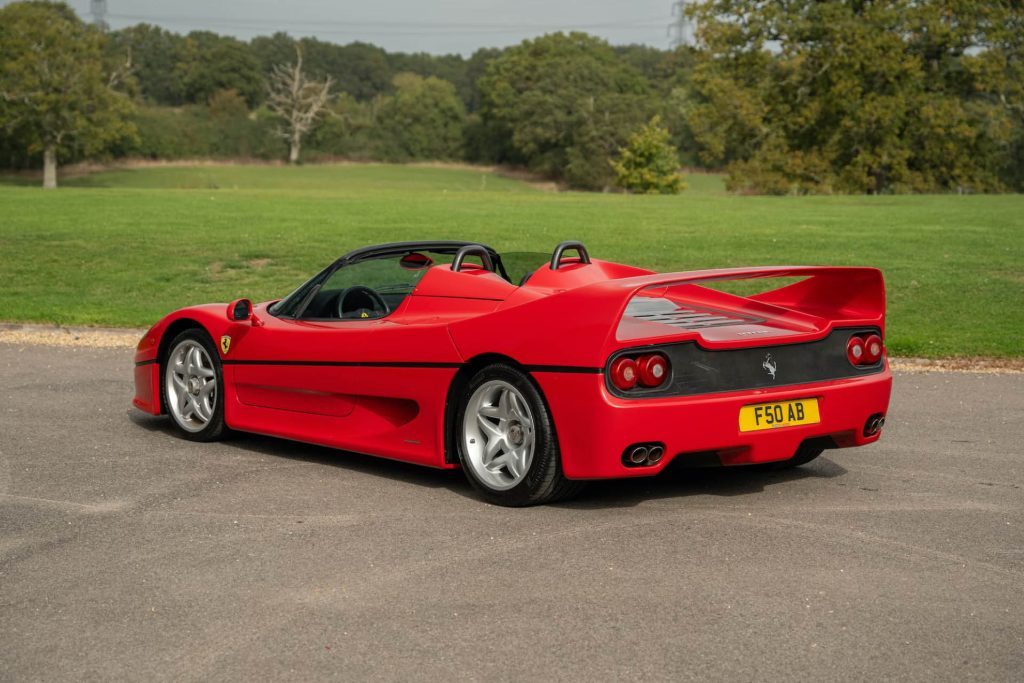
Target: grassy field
x,y
125,247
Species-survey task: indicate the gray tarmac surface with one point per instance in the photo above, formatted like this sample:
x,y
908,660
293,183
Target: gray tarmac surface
x,y
126,553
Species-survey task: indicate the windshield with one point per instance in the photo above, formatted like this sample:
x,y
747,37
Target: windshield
x,y
393,277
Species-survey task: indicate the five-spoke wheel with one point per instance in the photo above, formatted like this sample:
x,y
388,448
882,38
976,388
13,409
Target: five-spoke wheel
x,y
191,379
506,441
498,434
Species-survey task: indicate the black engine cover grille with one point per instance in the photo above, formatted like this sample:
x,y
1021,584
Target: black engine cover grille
x,y
700,371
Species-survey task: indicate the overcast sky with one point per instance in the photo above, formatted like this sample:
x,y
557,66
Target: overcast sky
x,y
403,25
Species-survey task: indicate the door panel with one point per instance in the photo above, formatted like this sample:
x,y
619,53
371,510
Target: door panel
x,y
323,368
300,389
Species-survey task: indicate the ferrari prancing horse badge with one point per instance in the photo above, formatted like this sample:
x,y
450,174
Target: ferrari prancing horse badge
x,y
225,344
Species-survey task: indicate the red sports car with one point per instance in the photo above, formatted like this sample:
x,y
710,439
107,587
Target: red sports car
x,y
532,373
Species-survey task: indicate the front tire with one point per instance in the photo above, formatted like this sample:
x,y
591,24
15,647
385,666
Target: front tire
x,y
506,440
191,385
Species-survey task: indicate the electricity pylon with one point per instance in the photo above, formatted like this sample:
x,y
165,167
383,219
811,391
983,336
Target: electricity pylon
x,y
99,13
682,29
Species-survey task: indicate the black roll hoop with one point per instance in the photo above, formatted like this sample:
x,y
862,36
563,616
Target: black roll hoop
x,y
556,258
473,250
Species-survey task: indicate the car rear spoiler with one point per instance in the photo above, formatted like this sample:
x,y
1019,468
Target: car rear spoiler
x,y
823,297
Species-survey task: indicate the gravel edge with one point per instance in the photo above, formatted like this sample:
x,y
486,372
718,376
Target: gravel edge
x,y
128,338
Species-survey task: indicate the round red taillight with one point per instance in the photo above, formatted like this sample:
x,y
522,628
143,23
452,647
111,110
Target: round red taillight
x,y
653,369
872,349
624,374
855,350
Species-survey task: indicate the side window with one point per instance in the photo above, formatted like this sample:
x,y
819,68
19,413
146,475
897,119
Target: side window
x,y
366,289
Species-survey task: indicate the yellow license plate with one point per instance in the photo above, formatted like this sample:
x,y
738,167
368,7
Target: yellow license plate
x,y
781,414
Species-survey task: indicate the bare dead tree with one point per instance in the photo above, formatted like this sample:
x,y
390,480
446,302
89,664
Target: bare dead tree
x,y
298,100
120,73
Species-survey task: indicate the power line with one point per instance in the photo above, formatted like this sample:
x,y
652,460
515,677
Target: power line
x,y
384,26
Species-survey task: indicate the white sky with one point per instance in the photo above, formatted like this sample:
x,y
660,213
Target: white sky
x,y
445,26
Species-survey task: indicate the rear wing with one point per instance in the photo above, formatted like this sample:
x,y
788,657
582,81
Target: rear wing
x,y
823,297
835,292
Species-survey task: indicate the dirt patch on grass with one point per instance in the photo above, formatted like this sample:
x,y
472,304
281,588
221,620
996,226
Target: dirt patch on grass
x,y
998,366
88,167
89,337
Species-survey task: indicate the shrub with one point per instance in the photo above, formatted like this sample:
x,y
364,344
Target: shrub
x,y
220,130
648,163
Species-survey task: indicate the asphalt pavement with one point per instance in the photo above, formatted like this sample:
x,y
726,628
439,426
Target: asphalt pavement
x,y
127,553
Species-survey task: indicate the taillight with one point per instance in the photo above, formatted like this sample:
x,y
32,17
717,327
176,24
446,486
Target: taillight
x,y
653,369
864,350
855,350
640,371
872,349
624,373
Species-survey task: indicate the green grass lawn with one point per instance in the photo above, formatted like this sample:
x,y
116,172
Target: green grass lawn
x,y
125,247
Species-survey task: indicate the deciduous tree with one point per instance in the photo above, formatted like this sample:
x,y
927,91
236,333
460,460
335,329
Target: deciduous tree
x,y
54,95
155,54
211,63
840,96
422,120
567,102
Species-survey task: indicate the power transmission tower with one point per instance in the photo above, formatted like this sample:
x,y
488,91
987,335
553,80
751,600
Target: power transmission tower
x,y
99,13
682,30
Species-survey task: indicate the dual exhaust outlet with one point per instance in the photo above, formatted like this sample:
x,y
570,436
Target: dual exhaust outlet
x,y
874,424
649,454
643,455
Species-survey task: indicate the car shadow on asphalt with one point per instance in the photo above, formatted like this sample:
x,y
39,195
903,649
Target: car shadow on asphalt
x,y
285,449
675,481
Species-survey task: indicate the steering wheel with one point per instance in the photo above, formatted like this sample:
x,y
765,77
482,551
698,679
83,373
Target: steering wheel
x,y
361,302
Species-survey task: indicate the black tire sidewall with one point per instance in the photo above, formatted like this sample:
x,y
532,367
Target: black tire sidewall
x,y
803,456
546,462
215,427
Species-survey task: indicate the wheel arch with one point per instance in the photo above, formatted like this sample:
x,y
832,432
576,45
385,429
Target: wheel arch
x,y
173,330
459,382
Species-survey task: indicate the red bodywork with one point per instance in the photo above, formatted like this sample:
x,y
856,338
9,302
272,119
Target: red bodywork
x,y
385,386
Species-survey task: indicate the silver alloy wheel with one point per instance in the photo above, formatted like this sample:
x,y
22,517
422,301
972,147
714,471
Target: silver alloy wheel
x,y
498,435
190,382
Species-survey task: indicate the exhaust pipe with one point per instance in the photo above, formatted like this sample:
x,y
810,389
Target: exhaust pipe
x,y
638,455
643,454
874,424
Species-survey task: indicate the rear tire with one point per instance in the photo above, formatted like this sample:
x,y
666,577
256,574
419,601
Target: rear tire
x,y
804,455
506,440
192,386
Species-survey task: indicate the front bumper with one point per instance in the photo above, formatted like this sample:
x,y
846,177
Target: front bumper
x,y
594,428
147,383
147,374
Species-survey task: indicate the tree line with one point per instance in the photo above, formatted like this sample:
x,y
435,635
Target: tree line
x,y
806,96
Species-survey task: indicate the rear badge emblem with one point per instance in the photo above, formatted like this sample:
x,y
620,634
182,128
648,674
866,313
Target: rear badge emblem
x,y
769,365
225,344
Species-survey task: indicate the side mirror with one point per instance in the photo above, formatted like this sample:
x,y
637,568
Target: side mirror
x,y
239,310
